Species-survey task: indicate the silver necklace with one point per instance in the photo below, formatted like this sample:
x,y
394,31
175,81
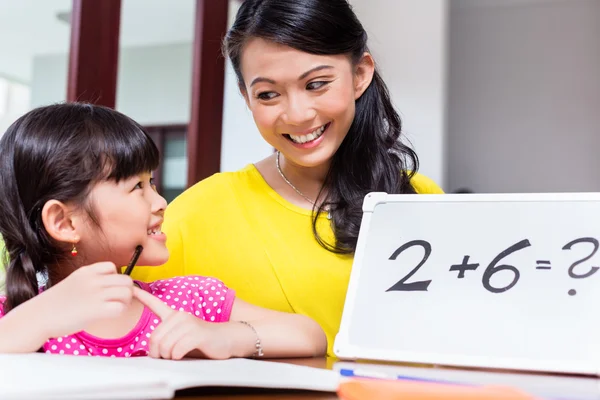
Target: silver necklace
x,y
294,187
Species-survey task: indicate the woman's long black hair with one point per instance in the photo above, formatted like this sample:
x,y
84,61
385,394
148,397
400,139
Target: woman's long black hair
x,y
372,157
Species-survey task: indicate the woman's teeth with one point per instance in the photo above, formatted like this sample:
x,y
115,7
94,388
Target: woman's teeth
x,y
310,137
155,231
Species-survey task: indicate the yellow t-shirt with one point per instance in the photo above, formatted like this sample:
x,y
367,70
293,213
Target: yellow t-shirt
x,y
233,226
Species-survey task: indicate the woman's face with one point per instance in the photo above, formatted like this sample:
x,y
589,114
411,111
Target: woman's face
x,y
303,104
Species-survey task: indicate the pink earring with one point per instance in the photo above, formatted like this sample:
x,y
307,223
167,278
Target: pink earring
x,y
74,250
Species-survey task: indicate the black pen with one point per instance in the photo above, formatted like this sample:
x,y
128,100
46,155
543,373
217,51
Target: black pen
x,y
136,255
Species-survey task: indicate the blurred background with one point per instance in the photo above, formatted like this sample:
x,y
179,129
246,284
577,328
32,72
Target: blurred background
x,y
495,95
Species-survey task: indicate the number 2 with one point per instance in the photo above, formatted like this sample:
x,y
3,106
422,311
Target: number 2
x,y
402,285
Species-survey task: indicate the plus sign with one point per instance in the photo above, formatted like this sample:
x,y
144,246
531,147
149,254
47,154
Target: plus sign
x,y
464,266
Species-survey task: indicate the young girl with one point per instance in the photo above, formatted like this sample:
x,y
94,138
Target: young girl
x,y
77,198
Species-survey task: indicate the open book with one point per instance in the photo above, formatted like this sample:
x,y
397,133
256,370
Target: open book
x,y
44,376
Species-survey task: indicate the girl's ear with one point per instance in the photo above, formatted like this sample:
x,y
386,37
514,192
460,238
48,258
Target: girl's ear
x,y
61,222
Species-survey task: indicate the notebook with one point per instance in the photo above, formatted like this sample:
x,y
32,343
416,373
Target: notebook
x,y
45,376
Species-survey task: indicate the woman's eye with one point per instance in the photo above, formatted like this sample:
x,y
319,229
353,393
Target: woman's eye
x,y
316,85
266,95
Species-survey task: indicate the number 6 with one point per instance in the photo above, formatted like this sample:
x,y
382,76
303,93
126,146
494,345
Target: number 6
x,y
492,268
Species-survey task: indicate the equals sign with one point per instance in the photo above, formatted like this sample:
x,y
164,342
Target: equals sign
x,y
543,264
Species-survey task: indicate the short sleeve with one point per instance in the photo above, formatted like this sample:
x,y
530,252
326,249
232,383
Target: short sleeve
x,y
425,185
206,298
2,300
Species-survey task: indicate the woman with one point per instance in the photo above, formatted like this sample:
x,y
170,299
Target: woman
x,y
283,231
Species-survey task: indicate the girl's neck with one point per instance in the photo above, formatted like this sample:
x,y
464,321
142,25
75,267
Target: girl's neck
x,y
61,271
110,328
115,328
70,264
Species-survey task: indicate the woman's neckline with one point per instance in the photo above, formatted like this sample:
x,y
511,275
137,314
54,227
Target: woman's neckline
x,y
278,197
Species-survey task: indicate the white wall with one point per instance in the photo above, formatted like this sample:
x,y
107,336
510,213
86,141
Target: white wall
x,y
524,95
408,41
49,79
154,83
154,87
407,38
14,102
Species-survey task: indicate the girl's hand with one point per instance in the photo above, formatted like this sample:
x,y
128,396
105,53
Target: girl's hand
x,y
181,334
89,294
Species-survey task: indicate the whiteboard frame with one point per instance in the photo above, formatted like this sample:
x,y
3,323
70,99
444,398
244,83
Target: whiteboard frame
x,y
345,350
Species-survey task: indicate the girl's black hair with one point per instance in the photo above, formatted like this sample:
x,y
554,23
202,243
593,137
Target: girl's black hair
x,y
372,157
58,152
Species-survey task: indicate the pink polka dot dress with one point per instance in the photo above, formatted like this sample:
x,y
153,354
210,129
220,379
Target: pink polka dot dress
x,y
205,298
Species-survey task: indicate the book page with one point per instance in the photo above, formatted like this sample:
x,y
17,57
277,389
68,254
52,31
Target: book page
x,y
45,376
240,372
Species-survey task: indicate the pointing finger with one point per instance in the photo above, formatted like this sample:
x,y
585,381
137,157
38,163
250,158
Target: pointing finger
x,y
153,303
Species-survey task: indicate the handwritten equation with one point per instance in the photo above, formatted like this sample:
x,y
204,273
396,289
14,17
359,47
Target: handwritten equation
x,y
575,270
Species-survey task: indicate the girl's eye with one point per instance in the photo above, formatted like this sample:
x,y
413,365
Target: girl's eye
x,y
139,185
266,95
152,184
316,85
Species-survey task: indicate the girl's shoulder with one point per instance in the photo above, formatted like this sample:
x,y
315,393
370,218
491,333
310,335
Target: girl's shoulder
x,y
205,297
183,282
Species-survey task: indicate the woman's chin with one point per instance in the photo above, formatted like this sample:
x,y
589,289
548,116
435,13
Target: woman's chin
x,y
317,159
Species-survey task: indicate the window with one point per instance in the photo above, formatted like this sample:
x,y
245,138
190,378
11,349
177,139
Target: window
x,y
171,177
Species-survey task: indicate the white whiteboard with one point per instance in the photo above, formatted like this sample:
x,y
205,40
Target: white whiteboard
x,y
539,312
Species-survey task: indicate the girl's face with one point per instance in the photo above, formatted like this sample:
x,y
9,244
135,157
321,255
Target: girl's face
x,y
129,213
303,104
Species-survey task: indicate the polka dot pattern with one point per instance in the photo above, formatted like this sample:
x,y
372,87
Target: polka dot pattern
x,y
185,294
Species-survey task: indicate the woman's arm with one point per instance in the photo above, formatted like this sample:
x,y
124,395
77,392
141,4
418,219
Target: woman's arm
x,y
281,334
181,334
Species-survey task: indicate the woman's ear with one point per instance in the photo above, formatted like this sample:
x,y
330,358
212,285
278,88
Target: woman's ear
x,y
244,93
363,74
60,222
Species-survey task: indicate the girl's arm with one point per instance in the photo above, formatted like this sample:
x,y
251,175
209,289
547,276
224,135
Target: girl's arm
x,y
25,329
90,293
281,334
